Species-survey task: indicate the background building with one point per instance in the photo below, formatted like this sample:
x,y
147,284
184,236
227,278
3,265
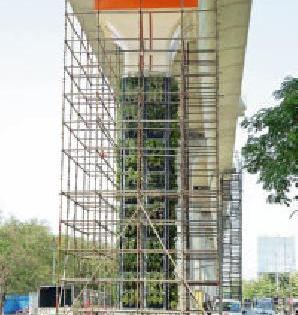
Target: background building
x,y
276,255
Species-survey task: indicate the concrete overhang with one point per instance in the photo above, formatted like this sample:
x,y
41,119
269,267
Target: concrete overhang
x,y
233,23
234,19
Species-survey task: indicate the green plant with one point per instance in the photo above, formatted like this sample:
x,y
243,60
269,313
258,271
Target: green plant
x,y
271,148
158,136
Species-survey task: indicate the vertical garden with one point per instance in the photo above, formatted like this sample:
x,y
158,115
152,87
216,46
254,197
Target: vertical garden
x,y
160,144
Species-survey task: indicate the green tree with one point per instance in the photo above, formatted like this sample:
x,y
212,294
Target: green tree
x,y
293,286
263,287
266,286
26,251
272,145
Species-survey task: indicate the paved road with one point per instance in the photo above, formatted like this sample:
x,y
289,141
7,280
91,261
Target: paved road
x,y
252,312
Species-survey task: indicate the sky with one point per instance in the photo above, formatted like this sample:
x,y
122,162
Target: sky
x,y
31,66
271,56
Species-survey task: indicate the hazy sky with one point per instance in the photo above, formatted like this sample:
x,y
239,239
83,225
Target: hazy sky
x,y
31,64
272,53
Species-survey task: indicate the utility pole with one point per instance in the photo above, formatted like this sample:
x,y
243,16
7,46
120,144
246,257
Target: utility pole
x,y
54,261
3,279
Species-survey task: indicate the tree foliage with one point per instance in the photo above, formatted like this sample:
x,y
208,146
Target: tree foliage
x,y
260,288
272,145
266,286
26,251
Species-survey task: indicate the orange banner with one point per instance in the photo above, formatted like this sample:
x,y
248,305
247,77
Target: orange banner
x,y
146,4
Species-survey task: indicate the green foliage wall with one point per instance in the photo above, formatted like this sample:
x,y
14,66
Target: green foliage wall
x,y
160,103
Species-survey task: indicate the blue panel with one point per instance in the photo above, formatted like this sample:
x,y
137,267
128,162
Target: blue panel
x,y
15,303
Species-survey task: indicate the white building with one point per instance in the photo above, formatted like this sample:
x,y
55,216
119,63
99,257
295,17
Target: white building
x,y
276,254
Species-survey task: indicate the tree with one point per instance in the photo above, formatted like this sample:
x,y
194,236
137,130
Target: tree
x,y
263,287
26,251
266,286
272,145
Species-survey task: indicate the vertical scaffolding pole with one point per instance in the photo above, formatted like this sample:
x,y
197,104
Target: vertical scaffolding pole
x,y
140,163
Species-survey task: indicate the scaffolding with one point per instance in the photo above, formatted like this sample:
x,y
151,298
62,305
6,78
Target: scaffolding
x,y
140,212
231,183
